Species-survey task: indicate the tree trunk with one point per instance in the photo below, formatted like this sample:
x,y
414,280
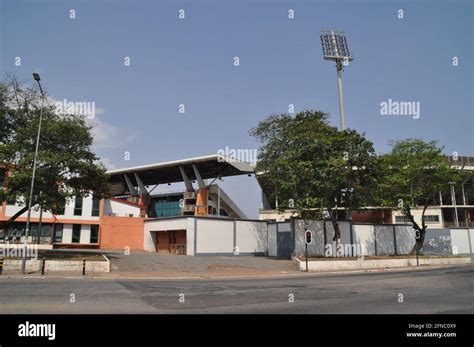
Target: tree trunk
x,y
419,241
420,231
335,224
337,231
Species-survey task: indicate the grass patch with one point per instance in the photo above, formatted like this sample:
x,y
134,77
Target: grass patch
x,y
68,255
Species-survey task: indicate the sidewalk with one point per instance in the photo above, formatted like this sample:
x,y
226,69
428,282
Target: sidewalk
x,y
137,275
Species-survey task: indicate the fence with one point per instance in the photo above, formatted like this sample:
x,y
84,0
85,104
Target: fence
x,y
222,236
379,239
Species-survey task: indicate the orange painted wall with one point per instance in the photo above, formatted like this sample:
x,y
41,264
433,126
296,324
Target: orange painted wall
x,y
201,201
121,232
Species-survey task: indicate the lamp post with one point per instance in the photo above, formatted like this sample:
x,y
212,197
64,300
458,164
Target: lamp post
x,y
334,44
36,77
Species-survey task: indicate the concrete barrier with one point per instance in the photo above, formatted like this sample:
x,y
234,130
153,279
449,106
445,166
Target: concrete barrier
x,y
340,264
34,265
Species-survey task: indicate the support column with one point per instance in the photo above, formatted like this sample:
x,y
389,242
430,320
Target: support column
x,y
131,188
187,182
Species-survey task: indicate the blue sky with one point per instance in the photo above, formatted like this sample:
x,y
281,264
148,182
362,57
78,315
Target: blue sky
x,y
190,62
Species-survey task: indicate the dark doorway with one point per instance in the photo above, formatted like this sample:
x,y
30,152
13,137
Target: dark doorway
x,y
171,241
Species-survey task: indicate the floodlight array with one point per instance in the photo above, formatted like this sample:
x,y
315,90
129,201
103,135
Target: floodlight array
x,y
334,45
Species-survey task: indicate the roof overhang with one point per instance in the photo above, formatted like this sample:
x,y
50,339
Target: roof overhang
x,y
210,166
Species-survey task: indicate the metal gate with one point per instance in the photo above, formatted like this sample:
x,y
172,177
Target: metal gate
x,y
285,240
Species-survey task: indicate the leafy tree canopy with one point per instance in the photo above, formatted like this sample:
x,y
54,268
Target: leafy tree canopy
x,y
310,165
66,166
414,171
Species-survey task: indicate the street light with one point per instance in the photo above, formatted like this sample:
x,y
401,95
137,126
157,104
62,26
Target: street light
x,y
334,44
36,77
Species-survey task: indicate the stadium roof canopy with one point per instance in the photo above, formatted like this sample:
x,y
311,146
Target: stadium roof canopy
x,y
210,166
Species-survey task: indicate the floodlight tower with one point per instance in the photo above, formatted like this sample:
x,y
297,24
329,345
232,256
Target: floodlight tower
x,y
335,48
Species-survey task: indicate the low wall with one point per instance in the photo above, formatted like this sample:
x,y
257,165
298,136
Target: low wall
x,y
382,239
57,265
216,236
339,264
272,240
229,236
462,240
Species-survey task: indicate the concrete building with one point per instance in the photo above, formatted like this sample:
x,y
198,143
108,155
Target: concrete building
x,y
118,221
202,219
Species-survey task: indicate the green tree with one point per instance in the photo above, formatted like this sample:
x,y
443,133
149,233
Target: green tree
x,y
414,172
312,167
66,166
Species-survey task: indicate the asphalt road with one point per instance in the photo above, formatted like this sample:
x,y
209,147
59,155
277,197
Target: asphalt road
x,y
427,291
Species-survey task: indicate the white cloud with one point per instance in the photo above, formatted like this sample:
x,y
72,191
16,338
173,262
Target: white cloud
x,y
105,135
108,163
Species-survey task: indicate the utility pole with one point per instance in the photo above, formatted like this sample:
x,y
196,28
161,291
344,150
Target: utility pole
x,y
30,200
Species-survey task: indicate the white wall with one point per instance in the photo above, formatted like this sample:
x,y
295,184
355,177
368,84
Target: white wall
x,y
405,239
215,236
120,209
364,236
471,236
272,240
345,232
166,224
85,234
384,238
316,248
68,210
67,233
275,215
190,223
417,215
12,209
251,237
460,240
149,241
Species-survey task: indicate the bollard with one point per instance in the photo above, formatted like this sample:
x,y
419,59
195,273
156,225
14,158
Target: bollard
x,y
43,265
1,265
83,267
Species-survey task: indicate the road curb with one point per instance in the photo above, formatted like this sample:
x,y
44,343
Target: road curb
x,y
279,275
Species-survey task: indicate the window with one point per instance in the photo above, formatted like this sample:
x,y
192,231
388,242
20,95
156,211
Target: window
x,y
76,233
95,206
45,230
94,233
58,233
402,219
431,219
78,206
60,209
